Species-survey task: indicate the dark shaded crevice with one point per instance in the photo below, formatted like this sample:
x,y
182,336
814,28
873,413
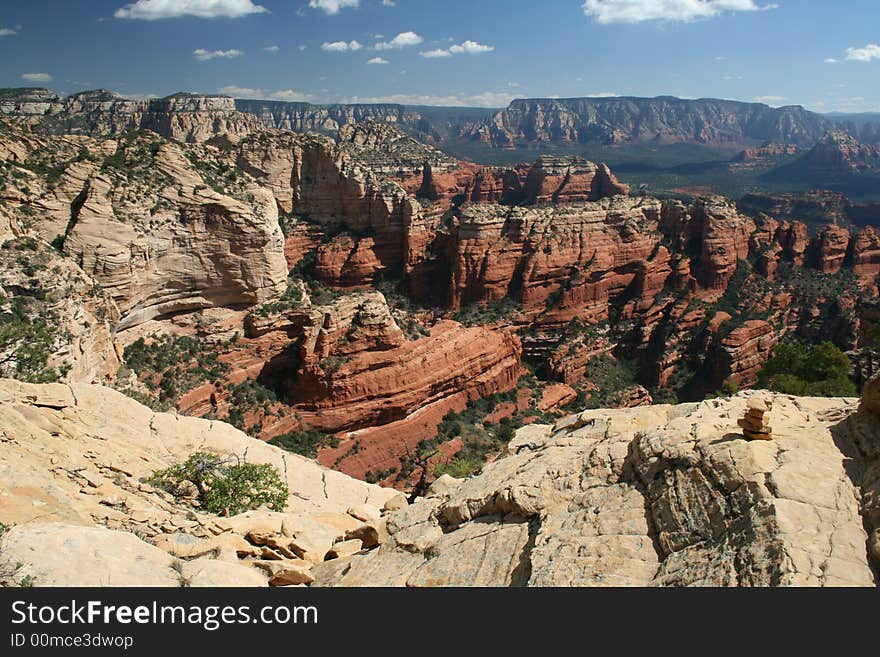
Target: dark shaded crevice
x,y
523,571
860,445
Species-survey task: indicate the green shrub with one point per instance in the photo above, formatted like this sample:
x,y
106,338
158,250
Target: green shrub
x,y
25,347
305,443
820,370
222,487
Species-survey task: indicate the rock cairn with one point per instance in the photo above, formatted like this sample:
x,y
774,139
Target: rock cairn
x,y
756,424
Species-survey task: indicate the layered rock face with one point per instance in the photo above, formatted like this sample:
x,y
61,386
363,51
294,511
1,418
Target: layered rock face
x,y
656,496
305,117
142,218
43,288
146,262
72,462
664,119
383,227
557,180
588,253
183,117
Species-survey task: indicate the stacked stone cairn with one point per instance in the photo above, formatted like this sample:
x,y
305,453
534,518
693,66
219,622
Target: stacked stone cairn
x,y
756,424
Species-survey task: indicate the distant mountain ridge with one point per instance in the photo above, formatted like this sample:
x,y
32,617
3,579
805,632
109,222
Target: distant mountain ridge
x,y
524,123
664,119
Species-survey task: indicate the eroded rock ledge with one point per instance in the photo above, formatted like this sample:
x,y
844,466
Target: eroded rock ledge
x,y
651,496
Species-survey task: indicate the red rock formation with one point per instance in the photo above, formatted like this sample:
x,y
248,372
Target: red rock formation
x,y
378,387
555,396
743,352
866,253
831,248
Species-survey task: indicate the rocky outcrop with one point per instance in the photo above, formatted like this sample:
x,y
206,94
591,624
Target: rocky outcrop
x,y
663,119
767,151
305,117
311,176
72,463
654,496
838,153
830,249
146,262
866,253
586,254
74,319
743,352
190,118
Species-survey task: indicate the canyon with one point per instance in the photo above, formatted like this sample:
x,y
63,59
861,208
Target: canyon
x,y
361,296
521,375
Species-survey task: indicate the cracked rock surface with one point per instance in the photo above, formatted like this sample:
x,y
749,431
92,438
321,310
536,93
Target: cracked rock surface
x,y
652,496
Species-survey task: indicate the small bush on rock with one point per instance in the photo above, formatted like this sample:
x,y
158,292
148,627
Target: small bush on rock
x,y
222,486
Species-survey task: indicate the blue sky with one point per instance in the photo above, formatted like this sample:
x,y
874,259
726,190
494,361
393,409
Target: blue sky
x,y
818,53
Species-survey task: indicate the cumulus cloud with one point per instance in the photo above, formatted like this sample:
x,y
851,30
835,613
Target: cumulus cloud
x,y
389,3
289,95
470,48
770,100
7,31
341,46
466,48
205,55
866,54
150,10
402,40
332,7
831,60
272,48
637,11
378,60
36,77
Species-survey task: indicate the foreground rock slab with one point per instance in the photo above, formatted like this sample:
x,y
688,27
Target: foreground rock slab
x,y
650,496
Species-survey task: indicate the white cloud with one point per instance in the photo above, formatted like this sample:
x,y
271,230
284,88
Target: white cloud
x,y
471,48
272,48
402,40
378,60
332,7
484,99
466,48
770,100
389,3
139,96
6,31
36,77
205,55
866,54
301,48
341,46
831,60
250,93
637,11
603,94
150,10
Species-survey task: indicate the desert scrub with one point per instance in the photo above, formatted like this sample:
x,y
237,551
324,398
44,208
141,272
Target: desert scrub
x,y
224,486
305,443
173,365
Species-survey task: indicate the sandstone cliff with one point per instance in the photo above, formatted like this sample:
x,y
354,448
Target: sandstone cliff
x,y
663,119
182,117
